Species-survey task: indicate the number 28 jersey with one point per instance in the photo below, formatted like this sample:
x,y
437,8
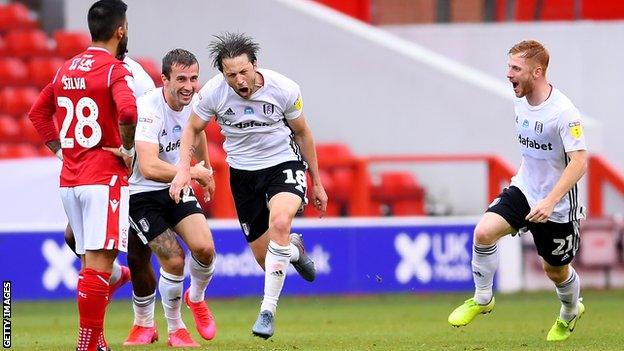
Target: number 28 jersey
x,y
90,92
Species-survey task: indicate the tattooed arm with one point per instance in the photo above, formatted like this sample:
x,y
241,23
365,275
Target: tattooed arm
x,y
194,127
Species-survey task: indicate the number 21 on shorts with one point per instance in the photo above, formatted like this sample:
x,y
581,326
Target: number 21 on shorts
x,y
298,178
83,121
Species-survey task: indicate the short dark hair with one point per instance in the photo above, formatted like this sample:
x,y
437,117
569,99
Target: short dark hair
x,y
104,17
230,45
180,57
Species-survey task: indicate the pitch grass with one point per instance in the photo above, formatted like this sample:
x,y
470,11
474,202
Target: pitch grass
x,y
387,322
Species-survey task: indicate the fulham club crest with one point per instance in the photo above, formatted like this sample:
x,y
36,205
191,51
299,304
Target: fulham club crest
x,y
268,109
539,127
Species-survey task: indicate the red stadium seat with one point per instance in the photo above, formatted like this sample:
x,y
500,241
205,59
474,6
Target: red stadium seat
x,y
401,192
333,207
28,131
71,43
18,151
557,10
3,49
9,129
17,101
602,10
42,70
13,72
28,43
14,16
151,68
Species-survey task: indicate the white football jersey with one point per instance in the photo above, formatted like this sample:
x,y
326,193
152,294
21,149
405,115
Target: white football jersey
x,y
142,81
157,123
256,133
545,133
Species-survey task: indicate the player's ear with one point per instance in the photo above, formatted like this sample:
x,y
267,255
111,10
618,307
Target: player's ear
x,y
163,78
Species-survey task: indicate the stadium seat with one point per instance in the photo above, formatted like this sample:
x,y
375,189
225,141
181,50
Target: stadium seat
x,y
525,10
42,70
18,151
28,43
333,207
13,72
602,10
28,131
557,10
9,129
70,43
151,68
401,193
15,15
17,101
3,49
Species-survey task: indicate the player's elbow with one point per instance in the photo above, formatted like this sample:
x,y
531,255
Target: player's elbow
x,y
148,171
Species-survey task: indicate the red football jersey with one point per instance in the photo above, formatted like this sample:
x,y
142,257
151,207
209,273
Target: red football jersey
x,y
92,92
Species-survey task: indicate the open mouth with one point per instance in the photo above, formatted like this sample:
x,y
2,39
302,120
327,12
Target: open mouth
x,y
186,94
514,84
243,90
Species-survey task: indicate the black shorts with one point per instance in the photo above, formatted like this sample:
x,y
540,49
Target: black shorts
x,y
252,191
557,243
153,212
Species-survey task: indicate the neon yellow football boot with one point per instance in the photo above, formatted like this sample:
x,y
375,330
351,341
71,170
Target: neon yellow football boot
x,y
465,313
561,330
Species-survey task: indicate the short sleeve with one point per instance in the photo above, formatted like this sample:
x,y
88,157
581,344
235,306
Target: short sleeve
x,y
571,130
294,103
204,105
149,124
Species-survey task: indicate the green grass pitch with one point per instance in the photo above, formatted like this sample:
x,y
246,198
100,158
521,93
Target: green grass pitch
x,y
386,322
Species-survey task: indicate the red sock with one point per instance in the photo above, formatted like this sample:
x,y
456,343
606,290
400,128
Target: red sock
x,y
92,300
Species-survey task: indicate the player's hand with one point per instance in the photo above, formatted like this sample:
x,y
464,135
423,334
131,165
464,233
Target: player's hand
x,y
541,211
319,198
181,182
204,177
127,159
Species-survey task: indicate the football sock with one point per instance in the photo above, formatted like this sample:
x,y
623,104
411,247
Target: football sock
x,y
144,309
115,273
170,288
201,274
92,301
568,293
276,262
484,265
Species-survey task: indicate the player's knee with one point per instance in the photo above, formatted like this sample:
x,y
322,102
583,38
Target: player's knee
x,y
173,264
484,235
281,223
557,274
205,255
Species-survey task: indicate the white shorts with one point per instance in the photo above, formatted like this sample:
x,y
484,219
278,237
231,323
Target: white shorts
x,y
98,215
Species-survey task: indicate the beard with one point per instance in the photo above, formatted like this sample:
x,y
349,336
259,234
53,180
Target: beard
x,y
122,48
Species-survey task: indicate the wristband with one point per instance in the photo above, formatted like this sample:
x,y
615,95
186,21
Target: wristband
x,y
59,154
127,152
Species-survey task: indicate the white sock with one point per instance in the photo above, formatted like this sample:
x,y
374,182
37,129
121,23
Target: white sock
x,y
201,275
170,288
115,273
484,265
294,253
144,310
275,263
568,293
